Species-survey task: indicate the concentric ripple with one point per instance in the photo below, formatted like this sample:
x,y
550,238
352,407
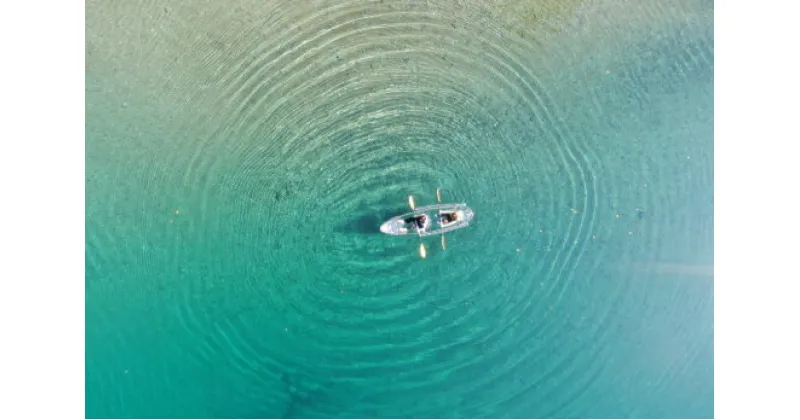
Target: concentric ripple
x,y
341,114
322,120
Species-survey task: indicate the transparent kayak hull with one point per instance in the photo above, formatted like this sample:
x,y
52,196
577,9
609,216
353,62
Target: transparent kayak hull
x,y
399,226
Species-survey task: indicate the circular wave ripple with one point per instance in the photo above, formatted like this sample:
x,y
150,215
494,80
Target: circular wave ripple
x,y
326,121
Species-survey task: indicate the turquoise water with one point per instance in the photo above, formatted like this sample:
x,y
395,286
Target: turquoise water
x,y
239,161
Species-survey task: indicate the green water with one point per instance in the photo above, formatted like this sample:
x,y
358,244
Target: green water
x,y
239,161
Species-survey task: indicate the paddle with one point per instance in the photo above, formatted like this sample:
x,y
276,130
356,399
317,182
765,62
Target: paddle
x,y
439,200
423,253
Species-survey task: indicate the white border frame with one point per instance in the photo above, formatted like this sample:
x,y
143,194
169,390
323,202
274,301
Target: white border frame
x,y
42,230
756,227
755,197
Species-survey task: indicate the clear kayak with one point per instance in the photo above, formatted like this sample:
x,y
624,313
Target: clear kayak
x,y
430,220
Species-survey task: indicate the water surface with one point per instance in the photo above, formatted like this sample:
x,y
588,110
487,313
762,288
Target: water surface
x,y
240,157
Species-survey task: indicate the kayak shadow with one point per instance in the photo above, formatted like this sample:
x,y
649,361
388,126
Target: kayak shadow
x,y
369,222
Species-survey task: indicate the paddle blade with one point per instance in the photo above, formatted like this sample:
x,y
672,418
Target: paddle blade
x,y
439,195
411,201
423,253
444,243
